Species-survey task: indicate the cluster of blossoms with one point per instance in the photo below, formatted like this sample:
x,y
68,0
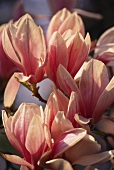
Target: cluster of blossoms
x,y
60,136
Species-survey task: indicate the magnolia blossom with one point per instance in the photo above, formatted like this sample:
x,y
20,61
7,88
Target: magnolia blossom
x,y
104,50
95,92
23,42
60,135
49,139
64,20
59,102
25,132
68,141
70,50
6,66
29,132
61,127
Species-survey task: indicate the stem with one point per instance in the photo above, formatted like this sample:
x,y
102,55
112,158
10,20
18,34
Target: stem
x,y
9,113
25,84
36,94
34,90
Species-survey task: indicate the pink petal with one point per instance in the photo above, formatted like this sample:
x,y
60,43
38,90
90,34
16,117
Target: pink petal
x,y
11,92
88,41
6,65
31,49
81,58
57,164
73,22
107,56
11,137
79,73
86,146
60,124
66,82
35,133
75,106
74,44
39,74
67,140
81,120
48,136
105,100
16,160
22,78
9,49
106,37
58,54
67,34
62,100
56,21
95,158
44,158
78,52
51,109
93,81
105,42
24,115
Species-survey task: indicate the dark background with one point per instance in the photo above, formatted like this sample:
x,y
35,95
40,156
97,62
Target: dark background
x,y
94,27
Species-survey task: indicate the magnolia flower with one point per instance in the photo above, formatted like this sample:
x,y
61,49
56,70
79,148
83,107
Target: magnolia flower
x,y
23,42
95,92
70,51
67,142
6,66
59,102
25,132
64,20
104,50
68,146
44,140
29,135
